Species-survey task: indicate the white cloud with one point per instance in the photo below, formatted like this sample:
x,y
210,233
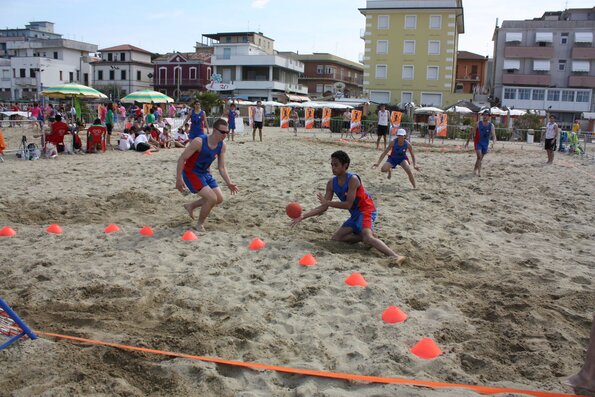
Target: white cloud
x,y
259,3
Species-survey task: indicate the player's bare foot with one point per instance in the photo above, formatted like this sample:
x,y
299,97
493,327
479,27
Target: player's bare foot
x,y
189,209
200,228
397,260
389,174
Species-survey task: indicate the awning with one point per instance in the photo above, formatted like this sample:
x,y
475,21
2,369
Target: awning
x,y
583,37
512,64
544,37
514,36
581,66
589,115
297,98
539,65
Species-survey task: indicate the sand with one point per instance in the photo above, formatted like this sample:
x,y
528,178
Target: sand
x,y
500,272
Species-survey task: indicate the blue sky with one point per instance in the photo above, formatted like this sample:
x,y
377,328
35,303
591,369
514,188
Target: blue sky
x,y
306,25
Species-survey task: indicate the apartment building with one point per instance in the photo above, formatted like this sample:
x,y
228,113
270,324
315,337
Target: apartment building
x,y
547,63
181,75
471,76
410,50
328,75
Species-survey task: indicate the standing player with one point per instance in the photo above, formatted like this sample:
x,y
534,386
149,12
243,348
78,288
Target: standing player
x,y
483,132
398,156
382,128
198,118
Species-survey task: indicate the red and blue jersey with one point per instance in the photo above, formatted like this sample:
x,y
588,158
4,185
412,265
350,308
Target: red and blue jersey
x,y
196,120
399,152
483,133
363,203
200,161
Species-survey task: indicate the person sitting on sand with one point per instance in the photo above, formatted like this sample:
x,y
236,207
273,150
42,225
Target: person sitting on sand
x,y
483,132
398,156
141,143
181,138
352,197
165,139
585,378
193,171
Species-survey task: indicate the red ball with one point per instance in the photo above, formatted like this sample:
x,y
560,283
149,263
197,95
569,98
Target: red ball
x,y
294,210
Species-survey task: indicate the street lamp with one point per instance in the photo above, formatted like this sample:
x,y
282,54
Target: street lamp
x,y
116,85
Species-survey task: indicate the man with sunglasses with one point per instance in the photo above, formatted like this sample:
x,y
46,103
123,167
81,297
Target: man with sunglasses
x,y
194,173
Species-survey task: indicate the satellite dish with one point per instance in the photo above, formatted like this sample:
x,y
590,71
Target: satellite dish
x,y
339,86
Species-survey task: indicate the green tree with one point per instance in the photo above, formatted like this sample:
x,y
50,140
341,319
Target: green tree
x,y
211,102
528,121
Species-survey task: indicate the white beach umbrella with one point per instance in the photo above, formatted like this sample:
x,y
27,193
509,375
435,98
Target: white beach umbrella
x,y
295,104
459,109
273,103
428,109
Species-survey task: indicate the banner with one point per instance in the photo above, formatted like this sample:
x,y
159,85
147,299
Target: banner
x,y
441,125
326,117
251,110
356,121
395,121
309,118
285,111
12,326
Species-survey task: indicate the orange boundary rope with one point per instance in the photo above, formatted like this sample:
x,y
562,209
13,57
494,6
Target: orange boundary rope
x,y
322,374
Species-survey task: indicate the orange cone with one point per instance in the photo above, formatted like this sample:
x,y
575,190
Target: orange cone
x,y
147,153
256,244
146,231
356,279
308,260
54,228
393,315
426,349
111,228
189,236
7,231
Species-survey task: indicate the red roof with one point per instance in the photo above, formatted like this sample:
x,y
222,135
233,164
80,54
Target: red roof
x,y
469,55
126,47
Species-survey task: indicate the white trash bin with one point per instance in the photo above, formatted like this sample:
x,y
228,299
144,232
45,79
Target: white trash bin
x,y
530,135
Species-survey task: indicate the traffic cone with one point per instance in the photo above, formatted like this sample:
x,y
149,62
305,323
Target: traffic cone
x,y
146,231
257,244
426,349
111,228
308,260
54,228
356,279
7,231
393,315
189,236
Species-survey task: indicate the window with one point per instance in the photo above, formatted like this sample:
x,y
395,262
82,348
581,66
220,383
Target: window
x,y
524,94
582,96
228,39
122,75
122,56
564,38
406,97
329,70
431,99
380,96
538,95
112,74
55,54
61,77
70,77
408,72
110,56
244,39
567,96
510,93
473,71
432,73
319,69
193,74
410,21
435,22
319,88
32,73
409,47
380,72
5,73
23,72
86,78
78,75
383,22
226,53
138,75
433,47
561,64
553,95
382,47
100,75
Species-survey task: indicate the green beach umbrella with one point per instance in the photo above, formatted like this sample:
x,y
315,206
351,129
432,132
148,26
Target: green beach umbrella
x,y
147,96
72,90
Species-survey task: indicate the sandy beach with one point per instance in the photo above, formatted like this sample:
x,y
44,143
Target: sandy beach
x,y
500,272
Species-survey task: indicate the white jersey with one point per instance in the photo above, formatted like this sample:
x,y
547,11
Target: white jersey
x,y
383,117
550,131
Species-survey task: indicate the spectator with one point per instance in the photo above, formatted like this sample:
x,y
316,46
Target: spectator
x,y
56,136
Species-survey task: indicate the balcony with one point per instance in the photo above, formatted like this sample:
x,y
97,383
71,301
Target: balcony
x,y
581,81
529,52
182,82
29,81
527,79
582,53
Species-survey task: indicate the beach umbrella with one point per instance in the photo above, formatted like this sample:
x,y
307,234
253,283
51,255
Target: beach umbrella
x,y
459,109
147,96
273,103
72,90
295,104
428,109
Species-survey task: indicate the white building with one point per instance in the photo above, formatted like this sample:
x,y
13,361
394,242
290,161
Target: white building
x,y
123,69
249,65
41,58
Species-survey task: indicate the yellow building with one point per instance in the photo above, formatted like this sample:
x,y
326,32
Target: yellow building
x,y
410,51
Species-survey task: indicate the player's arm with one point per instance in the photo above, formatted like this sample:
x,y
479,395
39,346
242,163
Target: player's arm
x,y
352,187
493,132
321,209
223,171
384,153
410,149
194,146
471,132
205,123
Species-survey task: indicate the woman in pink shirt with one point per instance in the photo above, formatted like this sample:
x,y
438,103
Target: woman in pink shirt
x,y
36,115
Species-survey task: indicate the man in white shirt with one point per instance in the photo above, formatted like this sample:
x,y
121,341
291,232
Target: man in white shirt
x,y
551,134
382,128
431,127
258,119
126,141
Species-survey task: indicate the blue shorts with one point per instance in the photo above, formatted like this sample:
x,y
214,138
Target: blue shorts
x,y
397,161
196,134
359,221
482,146
195,182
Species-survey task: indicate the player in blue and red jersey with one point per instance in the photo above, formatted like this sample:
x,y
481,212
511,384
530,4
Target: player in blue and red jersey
x,y
353,197
398,156
193,171
483,132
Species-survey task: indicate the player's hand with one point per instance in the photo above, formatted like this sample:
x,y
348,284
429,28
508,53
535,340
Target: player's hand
x,y
233,188
322,199
417,168
297,220
180,185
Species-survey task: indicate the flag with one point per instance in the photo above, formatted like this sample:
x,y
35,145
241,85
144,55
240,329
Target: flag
x,y
395,121
441,125
285,111
309,118
356,121
326,118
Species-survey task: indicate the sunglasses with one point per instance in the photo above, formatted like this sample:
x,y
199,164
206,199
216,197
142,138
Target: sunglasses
x,y
223,132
